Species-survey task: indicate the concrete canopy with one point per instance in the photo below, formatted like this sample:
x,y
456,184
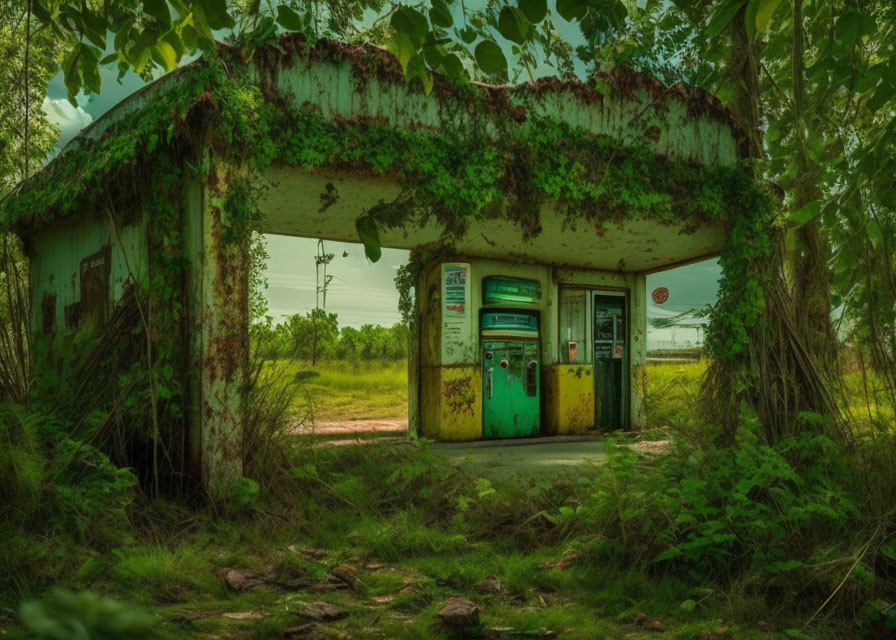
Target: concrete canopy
x,y
363,83
292,208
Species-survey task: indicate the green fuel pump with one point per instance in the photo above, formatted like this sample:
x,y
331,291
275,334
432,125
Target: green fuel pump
x,y
511,405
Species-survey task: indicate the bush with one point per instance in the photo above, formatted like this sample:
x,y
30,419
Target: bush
x,y
62,497
715,513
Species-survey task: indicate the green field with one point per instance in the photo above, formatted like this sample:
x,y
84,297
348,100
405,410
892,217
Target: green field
x,y
341,390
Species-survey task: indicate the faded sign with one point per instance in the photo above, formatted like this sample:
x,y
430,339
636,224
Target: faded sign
x,y
456,314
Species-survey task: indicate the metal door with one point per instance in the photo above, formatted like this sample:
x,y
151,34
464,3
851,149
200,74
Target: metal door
x,y
511,374
610,360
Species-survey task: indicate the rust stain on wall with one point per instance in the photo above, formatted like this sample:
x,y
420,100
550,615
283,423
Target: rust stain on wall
x,y
459,394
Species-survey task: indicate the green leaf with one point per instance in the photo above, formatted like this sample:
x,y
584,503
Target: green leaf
x,y
289,19
112,57
440,14
490,58
402,48
875,235
213,13
369,237
94,26
410,22
467,34
164,54
88,63
572,9
888,548
453,67
70,73
688,605
804,214
513,25
534,10
158,9
723,18
764,11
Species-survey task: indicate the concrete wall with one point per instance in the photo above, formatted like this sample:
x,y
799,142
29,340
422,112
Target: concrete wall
x,y
451,393
56,256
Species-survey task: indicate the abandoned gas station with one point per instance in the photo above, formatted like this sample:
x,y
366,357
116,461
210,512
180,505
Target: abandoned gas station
x,y
516,334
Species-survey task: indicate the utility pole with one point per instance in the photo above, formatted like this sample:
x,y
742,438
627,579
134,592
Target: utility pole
x,y
321,261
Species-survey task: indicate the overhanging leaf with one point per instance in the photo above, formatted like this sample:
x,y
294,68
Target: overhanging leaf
x,y
402,48
804,214
490,58
440,14
289,19
764,11
410,22
875,235
513,25
723,18
534,10
369,237
572,9
214,13
158,9
165,55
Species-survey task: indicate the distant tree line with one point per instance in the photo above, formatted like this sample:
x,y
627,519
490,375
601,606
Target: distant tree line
x,y
317,336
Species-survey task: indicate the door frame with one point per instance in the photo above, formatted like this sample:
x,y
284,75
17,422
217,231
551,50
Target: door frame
x,y
591,291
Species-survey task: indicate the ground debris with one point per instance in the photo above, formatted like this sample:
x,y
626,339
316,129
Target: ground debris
x,y
458,612
347,573
655,625
300,631
243,615
309,553
489,586
321,611
238,581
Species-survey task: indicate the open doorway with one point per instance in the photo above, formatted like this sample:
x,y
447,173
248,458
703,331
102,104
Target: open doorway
x,y
328,321
677,303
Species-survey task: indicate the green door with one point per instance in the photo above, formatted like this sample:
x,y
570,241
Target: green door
x,y
511,400
610,359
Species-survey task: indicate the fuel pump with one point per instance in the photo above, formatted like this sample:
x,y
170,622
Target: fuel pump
x,y
511,406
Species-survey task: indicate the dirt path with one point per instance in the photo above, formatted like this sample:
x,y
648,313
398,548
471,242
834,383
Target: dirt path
x,y
339,431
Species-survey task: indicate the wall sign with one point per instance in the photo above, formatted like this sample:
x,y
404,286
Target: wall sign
x,y
500,290
660,295
457,314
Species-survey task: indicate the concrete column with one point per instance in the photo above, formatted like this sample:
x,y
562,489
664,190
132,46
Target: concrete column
x,y
222,347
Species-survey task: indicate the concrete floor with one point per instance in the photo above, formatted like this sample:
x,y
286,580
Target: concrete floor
x,y
527,457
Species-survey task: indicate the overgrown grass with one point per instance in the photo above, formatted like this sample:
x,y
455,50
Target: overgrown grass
x,y
754,539
419,532
344,390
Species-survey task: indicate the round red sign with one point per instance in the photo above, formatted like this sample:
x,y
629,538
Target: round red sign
x,y
660,295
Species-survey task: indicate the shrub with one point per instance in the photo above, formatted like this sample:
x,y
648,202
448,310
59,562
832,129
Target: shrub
x,y
716,512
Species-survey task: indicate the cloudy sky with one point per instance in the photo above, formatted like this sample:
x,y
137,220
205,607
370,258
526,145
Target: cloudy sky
x,y
360,292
